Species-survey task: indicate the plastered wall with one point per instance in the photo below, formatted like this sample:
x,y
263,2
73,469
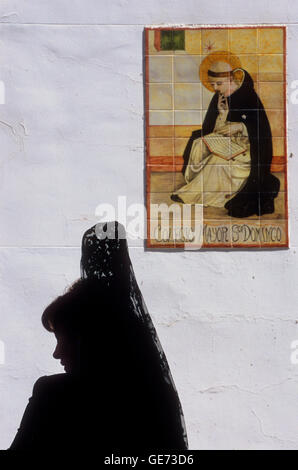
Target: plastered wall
x,y
72,137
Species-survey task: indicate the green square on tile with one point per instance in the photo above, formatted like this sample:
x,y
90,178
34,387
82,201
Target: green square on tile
x,y
166,43
179,40
172,40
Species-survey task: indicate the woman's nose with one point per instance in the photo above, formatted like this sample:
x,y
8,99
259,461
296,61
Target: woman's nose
x,y
56,353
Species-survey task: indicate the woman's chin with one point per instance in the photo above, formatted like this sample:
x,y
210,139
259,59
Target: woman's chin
x,y
66,367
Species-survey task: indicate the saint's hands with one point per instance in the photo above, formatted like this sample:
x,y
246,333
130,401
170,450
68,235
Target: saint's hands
x,y
230,129
222,103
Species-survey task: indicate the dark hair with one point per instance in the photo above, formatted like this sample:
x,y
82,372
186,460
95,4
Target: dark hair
x,y
91,309
63,312
83,306
98,316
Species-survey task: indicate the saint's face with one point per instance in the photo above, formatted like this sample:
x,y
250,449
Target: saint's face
x,y
221,85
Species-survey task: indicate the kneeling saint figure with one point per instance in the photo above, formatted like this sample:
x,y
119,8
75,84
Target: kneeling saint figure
x,y
227,162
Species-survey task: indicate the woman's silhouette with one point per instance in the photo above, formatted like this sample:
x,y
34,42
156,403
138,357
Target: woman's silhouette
x,y
118,392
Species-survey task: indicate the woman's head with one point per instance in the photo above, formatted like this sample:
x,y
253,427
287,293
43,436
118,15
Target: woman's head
x,y
89,320
62,317
74,318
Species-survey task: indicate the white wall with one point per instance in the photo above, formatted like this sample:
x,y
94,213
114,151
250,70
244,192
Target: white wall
x,y
72,137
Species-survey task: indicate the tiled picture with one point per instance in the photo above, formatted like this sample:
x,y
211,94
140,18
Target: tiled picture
x,y
216,144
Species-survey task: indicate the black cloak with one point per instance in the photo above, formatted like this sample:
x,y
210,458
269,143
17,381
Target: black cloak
x,y
146,407
261,187
122,395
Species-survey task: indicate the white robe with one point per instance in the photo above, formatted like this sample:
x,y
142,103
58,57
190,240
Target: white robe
x,y
212,180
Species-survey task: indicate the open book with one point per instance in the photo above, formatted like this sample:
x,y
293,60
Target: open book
x,y
223,146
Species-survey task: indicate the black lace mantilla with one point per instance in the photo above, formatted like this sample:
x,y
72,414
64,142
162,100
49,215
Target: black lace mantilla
x,y
105,257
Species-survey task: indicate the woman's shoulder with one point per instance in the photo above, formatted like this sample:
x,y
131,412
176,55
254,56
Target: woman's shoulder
x,y
51,383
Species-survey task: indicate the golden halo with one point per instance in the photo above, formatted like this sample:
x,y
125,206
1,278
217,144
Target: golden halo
x,y
219,56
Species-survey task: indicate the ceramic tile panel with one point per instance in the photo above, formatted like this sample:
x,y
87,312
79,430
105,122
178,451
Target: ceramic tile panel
x,y
179,146
159,236
249,199
216,131
162,119
159,132
278,177
207,95
214,212
214,39
245,233
271,94
280,208
153,44
278,146
159,201
218,178
160,96
161,147
159,164
160,69
160,181
214,202
186,68
271,40
186,130
273,233
243,40
217,233
188,193
250,62
188,96
193,41
278,151
179,181
188,233
187,119
271,67
277,122
281,174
